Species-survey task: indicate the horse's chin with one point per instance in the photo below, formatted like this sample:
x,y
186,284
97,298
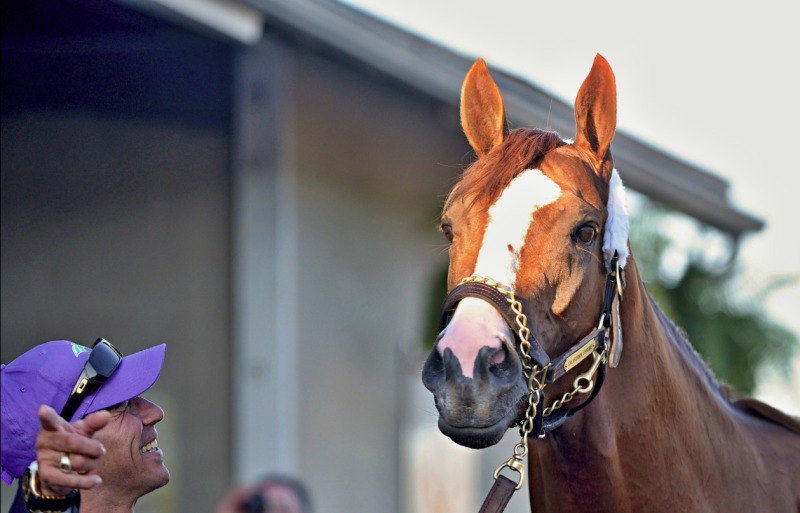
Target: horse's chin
x,y
478,437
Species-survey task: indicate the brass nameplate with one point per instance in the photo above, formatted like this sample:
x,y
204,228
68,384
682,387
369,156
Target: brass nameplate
x,y
580,355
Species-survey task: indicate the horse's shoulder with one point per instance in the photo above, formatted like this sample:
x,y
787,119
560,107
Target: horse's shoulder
x,y
764,411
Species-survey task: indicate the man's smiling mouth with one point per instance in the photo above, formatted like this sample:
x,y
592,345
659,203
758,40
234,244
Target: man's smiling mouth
x,y
149,447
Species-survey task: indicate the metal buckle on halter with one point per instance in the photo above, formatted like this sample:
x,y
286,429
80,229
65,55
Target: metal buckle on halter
x,y
588,376
615,348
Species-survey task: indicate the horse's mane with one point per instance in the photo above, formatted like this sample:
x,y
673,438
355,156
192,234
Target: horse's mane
x,y
747,405
490,175
678,336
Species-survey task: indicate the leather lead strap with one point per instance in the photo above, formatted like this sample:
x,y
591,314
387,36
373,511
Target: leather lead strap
x,y
501,492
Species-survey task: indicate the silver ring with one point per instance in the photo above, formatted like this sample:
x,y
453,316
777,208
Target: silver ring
x,y
65,464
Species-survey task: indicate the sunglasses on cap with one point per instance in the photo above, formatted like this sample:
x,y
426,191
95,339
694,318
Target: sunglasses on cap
x,y
103,361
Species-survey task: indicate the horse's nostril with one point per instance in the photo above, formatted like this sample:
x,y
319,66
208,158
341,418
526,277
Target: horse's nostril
x,y
433,373
505,368
499,356
452,367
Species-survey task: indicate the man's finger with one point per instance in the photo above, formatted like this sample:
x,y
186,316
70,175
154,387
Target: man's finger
x,y
52,478
50,463
55,490
51,421
73,443
92,423
80,464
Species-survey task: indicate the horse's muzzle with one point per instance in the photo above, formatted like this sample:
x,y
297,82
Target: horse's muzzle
x,y
475,411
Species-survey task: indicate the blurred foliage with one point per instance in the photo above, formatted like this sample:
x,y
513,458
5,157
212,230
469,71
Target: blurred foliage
x,y
438,291
707,297
699,289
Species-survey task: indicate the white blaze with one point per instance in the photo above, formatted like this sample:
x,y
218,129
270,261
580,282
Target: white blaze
x,y
476,323
509,220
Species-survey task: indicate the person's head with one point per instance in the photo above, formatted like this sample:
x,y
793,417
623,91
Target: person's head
x,y
49,374
133,464
283,494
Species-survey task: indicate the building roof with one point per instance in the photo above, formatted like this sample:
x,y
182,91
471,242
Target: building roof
x,y
436,71
439,71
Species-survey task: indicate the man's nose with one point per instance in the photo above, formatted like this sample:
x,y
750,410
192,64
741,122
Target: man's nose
x,y
149,412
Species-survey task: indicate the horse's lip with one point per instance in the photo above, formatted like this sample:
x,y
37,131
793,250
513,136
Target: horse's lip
x,y
478,437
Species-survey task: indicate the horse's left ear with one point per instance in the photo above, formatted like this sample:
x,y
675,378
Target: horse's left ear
x,y
596,111
483,116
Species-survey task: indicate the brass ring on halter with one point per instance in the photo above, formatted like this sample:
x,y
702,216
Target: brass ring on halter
x,y
65,464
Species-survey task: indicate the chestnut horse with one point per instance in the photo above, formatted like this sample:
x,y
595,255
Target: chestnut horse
x,y
544,219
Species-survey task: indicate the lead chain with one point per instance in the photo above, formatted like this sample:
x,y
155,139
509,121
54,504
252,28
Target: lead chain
x,y
576,390
535,384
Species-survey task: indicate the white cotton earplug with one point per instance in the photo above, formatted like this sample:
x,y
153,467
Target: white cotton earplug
x,y
615,238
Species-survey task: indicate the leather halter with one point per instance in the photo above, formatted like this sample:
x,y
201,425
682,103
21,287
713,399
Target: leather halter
x,y
557,367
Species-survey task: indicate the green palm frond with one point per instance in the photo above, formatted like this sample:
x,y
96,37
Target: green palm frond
x,y
726,324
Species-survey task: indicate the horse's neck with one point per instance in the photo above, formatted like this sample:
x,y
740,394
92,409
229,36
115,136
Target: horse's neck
x,y
660,406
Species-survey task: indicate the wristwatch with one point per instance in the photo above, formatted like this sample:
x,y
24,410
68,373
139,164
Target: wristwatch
x,y
37,502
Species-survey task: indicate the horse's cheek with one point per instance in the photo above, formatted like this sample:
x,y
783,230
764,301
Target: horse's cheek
x,y
565,296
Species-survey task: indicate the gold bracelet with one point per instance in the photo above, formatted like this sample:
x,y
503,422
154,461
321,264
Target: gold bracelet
x,y
32,484
37,502
36,487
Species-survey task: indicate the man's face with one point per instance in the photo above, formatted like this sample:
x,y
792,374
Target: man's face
x,y
133,463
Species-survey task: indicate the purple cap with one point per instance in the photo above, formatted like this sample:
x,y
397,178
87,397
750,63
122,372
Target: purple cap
x,y
46,375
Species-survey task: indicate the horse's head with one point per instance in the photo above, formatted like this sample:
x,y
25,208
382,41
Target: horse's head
x,y
529,213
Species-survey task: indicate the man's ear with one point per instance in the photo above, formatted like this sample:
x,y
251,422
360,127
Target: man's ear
x,y
483,116
596,111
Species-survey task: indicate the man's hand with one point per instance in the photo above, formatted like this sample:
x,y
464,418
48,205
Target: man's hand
x,y
58,437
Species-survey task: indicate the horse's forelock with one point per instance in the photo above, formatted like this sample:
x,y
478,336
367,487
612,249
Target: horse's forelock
x,y
488,177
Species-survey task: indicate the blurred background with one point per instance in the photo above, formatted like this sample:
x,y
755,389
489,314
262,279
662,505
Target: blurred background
x,y
257,184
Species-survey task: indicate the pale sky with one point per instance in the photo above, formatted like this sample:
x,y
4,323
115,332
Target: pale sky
x,y
713,82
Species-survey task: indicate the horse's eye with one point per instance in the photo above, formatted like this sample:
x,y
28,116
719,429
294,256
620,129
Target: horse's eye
x,y
447,230
585,234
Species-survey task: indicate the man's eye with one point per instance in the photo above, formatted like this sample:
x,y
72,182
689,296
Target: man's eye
x,y
119,406
585,234
447,230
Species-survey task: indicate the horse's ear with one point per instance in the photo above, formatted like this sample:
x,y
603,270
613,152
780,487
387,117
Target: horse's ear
x,y
483,116
596,110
